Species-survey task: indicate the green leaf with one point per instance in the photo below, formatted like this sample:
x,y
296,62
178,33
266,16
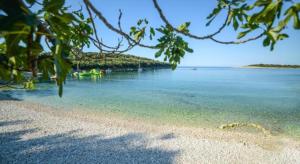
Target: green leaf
x,y
215,12
189,50
132,30
60,90
146,21
53,5
242,34
67,18
282,36
62,67
266,42
235,24
12,60
184,27
158,53
139,22
273,35
152,31
296,21
272,45
240,17
139,35
231,14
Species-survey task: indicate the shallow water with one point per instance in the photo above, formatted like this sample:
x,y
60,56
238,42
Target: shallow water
x,y
201,97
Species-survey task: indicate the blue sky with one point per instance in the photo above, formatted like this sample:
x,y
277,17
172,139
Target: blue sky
x,y
206,52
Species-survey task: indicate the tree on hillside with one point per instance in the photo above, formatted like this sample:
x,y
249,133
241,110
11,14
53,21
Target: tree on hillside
x,y
26,33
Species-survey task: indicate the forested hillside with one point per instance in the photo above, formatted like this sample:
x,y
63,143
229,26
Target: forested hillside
x,y
91,60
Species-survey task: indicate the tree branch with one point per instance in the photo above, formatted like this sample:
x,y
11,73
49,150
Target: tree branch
x,y
239,41
166,21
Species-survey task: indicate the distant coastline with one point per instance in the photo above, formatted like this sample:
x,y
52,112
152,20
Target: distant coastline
x,y
276,66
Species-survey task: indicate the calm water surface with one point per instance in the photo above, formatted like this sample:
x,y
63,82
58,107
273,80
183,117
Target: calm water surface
x,y
201,97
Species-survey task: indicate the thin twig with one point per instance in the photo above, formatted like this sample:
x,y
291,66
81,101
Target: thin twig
x,y
111,27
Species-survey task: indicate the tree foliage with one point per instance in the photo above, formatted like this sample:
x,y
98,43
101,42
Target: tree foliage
x,y
22,31
25,33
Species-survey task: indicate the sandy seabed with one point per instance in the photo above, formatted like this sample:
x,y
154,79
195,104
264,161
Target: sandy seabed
x,y
35,133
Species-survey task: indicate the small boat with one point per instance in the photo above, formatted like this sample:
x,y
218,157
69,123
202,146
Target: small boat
x,y
140,69
108,70
53,77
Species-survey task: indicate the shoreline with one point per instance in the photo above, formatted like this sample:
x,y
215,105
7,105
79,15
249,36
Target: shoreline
x,y
129,140
257,67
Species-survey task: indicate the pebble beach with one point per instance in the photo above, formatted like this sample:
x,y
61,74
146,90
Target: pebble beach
x,y
35,133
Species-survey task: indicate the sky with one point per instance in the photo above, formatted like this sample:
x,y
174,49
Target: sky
x,y
206,52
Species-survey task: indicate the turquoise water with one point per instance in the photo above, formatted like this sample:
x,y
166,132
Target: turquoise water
x,y
201,97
